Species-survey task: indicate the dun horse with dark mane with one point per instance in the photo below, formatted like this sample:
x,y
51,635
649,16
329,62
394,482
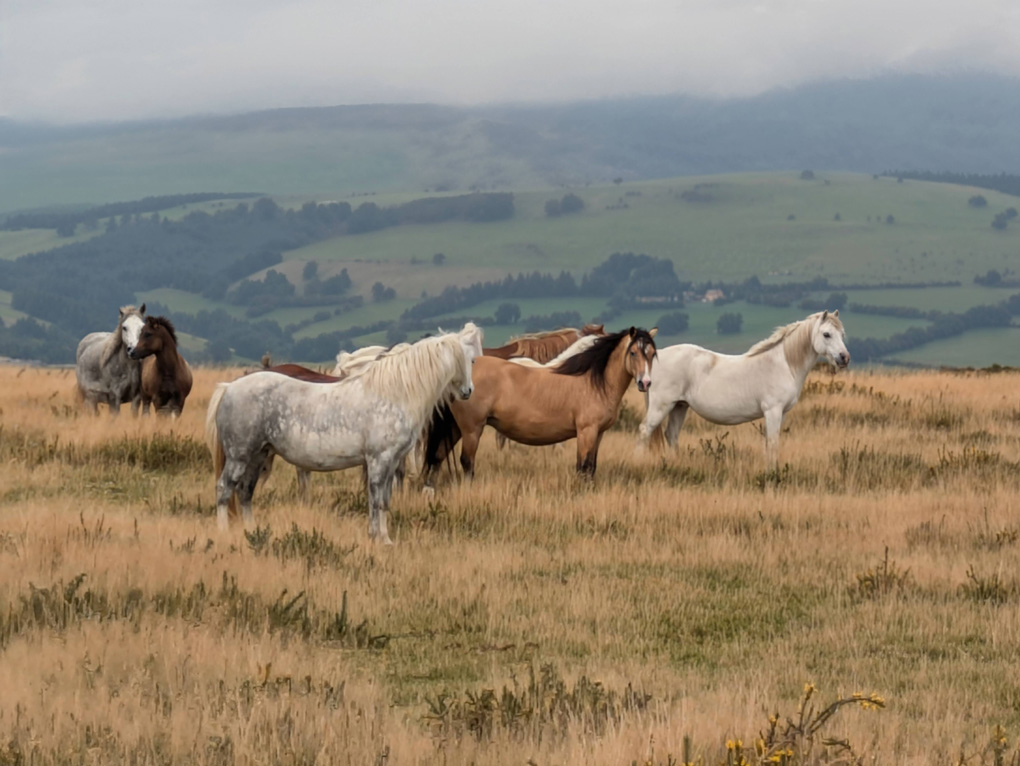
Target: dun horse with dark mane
x,y
580,397
166,376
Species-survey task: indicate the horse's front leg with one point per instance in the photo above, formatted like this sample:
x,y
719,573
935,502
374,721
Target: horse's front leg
x,y
656,410
588,441
773,424
469,448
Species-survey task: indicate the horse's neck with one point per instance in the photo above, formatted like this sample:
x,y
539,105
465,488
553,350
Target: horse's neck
x,y
111,347
798,352
617,378
167,359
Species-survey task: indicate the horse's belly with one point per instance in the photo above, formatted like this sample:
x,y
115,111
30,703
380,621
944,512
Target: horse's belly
x,y
729,413
535,434
318,452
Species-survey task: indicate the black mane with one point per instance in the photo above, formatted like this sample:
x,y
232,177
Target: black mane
x,y
595,359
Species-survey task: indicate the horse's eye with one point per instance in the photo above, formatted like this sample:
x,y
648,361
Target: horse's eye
x,y
826,335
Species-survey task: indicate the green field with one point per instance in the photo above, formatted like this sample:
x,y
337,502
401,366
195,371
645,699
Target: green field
x,y
771,225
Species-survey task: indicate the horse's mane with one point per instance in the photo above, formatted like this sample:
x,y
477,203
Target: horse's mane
x,y
414,376
581,344
165,323
595,359
782,332
592,329
543,335
115,342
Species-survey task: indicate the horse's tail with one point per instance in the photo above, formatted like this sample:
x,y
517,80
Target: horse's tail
x,y
212,438
440,436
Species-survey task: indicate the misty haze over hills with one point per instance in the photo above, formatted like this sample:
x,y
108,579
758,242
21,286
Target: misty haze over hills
x,y
960,123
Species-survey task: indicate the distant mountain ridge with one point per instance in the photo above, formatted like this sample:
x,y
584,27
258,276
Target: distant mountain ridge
x,y
959,123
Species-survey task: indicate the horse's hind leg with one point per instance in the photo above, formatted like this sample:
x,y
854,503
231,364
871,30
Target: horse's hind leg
x,y
304,487
676,422
246,489
379,476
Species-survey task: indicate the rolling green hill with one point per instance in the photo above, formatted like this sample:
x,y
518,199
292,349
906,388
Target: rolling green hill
x,y
853,230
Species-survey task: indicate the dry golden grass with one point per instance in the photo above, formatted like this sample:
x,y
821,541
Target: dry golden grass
x,y
653,616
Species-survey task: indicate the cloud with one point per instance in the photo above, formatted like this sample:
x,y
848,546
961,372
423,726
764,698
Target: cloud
x,y
64,60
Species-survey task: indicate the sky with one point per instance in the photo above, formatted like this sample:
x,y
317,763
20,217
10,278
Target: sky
x,y
70,61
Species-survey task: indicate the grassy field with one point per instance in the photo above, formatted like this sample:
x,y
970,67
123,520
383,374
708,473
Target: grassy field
x,y
662,613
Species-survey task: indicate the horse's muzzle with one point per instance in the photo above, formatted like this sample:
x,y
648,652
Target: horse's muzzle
x,y
643,387
465,394
843,360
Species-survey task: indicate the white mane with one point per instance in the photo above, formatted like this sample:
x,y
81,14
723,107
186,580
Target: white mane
x,y
414,376
582,344
798,331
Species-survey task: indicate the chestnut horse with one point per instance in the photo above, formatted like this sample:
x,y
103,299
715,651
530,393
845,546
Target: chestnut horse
x,y
544,346
302,373
580,397
166,377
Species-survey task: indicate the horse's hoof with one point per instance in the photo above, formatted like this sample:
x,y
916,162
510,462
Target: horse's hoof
x,y
428,491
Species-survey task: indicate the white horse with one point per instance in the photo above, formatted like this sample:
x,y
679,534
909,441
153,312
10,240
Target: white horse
x,y
766,381
370,418
103,368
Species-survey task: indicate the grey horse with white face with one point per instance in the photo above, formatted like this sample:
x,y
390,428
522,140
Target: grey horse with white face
x,y
105,372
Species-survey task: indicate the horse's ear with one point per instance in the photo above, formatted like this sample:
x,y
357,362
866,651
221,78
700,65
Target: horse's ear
x,y
654,331
835,313
825,315
633,331
142,309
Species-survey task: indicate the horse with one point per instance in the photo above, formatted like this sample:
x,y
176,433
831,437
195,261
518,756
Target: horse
x,y
580,397
301,373
371,418
166,376
581,344
765,381
544,346
104,371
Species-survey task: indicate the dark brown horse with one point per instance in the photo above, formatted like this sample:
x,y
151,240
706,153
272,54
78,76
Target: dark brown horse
x,y
544,346
166,376
580,397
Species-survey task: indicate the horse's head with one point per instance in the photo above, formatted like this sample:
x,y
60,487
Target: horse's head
x,y
130,326
471,346
150,339
639,356
828,339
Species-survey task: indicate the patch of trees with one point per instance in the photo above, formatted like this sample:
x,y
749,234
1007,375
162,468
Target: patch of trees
x,y
1007,183
834,302
60,221
507,313
557,319
943,325
1001,220
729,323
673,323
31,340
533,285
569,204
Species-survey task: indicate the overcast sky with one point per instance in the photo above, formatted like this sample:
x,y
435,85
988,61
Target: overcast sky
x,y
85,60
